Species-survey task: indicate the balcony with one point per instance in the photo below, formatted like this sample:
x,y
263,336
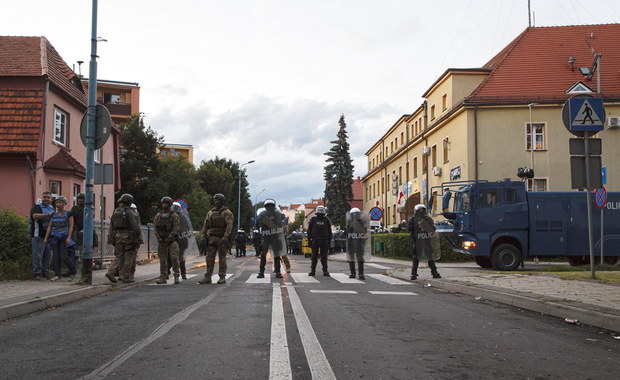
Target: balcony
x,y
118,109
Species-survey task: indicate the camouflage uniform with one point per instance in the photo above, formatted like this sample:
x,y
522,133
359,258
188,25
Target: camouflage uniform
x,y
125,235
167,227
217,227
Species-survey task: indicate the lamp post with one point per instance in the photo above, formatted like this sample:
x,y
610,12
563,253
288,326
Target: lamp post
x,y
239,198
532,142
256,202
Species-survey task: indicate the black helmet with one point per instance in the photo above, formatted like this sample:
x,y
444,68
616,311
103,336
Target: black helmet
x,y
81,195
167,200
126,198
219,196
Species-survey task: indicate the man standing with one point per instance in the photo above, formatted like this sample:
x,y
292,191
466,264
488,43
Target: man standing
x,y
319,234
182,239
125,236
217,227
167,227
40,215
357,233
240,242
271,228
425,241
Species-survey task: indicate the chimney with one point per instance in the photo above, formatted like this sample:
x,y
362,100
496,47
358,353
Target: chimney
x,y
571,63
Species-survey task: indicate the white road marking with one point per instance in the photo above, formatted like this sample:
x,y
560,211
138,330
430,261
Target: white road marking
x,y
376,266
279,361
303,278
389,280
319,366
343,278
334,291
393,293
254,280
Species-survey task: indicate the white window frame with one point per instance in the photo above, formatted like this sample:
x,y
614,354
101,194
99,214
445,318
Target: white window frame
x,y
538,136
61,121
541,184
97,155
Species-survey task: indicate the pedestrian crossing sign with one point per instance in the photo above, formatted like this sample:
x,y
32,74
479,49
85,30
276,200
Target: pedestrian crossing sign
x,y
586,114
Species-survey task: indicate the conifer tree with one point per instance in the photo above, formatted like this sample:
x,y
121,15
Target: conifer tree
x,y
339,177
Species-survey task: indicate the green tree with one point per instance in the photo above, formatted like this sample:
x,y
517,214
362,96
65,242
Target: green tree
x,y
298,222
199,203
339,176
139,166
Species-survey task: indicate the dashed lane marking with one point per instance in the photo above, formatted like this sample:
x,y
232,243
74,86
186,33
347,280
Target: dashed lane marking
x,y
392,293
333,291
389,280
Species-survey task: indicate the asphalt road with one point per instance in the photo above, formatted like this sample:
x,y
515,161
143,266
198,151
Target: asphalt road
x,y
298,329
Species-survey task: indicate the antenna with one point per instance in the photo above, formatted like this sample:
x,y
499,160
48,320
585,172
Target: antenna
x,y
529,14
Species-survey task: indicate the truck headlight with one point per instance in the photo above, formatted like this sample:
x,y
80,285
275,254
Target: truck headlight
x,y
468,244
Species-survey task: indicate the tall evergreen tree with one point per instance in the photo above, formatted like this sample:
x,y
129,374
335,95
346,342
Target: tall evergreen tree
x,y
139,165
339,176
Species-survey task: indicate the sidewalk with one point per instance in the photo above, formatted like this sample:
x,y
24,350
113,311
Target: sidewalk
x,y
588,301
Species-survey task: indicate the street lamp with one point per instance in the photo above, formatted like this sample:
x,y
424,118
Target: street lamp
x,y
239,198
256,202
532,142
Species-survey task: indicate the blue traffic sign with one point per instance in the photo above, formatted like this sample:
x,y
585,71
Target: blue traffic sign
x,y
586,114
376,213
604,175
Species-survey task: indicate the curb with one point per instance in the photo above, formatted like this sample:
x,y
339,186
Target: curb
x,y
26,307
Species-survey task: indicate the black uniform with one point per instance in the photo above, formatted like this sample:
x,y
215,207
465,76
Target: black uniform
x,y
420,227
320,235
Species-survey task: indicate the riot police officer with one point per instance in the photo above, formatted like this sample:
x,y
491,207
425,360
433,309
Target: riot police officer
x,y
217,227
425,239
357,235
320,235
240,242
272,230
167,227
125,235
182,239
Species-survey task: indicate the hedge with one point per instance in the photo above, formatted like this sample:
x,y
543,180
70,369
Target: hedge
x,y
398,246
15,246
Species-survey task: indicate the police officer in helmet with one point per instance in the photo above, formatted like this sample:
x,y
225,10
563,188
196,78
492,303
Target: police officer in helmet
x,y
217,227
320,235
125,235
167,226
426,242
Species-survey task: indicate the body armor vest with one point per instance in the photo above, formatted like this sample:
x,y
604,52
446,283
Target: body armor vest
x,y
164,225
120,219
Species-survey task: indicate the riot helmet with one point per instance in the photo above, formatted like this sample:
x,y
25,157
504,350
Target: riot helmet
x,y
320,210
81,195
219,196
270,203
420,209
176,206
167,200
126,198
133,206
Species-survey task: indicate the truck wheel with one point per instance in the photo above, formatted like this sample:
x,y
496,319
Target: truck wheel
x,y
576,261
506,257
483,261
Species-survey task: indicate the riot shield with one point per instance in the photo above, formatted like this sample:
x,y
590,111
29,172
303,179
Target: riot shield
x,y
186,234
427,244
357,234
272,231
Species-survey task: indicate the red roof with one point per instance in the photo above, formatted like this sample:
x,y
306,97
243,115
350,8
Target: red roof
x,y
534,66
36,57
64,161
20,120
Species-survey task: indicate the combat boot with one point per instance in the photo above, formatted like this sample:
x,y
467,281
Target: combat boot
x,y
361,270
206,280
176,280
161,281
111,277
278,275
352,268
431,264
183,269
261,275
222,280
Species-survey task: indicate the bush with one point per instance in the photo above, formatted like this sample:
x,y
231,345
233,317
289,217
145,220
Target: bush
x,y
15,249
398,246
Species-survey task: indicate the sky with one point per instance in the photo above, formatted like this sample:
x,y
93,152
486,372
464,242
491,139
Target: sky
x,y
267,80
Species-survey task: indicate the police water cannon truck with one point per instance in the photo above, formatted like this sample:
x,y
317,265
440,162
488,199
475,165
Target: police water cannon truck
x,y
500,223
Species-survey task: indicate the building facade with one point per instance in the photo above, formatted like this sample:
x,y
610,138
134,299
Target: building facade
x,y
478,124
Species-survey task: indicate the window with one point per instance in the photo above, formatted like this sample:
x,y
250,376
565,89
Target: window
x,y
444,102
433,112
434,155
489,198
537,184
446,143
55,187
76,191
60,127
415,167
424,164
111,98
400,175
407,172
97,156
402,138
539,137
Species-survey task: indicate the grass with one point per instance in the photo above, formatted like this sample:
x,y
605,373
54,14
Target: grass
x,y
603,273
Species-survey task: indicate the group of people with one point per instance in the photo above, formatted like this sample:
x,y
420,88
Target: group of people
x,y
57,232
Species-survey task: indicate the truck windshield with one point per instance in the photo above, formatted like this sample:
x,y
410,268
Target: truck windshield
x,y
461,201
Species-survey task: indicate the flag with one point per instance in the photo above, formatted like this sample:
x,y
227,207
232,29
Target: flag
x,y
377,204
401,197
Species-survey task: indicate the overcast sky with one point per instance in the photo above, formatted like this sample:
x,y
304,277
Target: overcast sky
x,y
267,80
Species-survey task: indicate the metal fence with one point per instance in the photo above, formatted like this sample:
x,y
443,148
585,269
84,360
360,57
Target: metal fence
x,y
104,253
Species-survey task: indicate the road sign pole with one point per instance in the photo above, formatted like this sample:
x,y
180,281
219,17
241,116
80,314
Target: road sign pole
x,y
89,211
602,243
589,203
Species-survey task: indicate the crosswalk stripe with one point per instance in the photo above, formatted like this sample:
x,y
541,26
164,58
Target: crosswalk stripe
x,y
303,278
376,266
393,293
334,291
389,280
254,280
344,278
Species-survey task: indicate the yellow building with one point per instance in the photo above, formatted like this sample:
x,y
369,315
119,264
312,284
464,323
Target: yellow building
x,y
475,123
178,150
